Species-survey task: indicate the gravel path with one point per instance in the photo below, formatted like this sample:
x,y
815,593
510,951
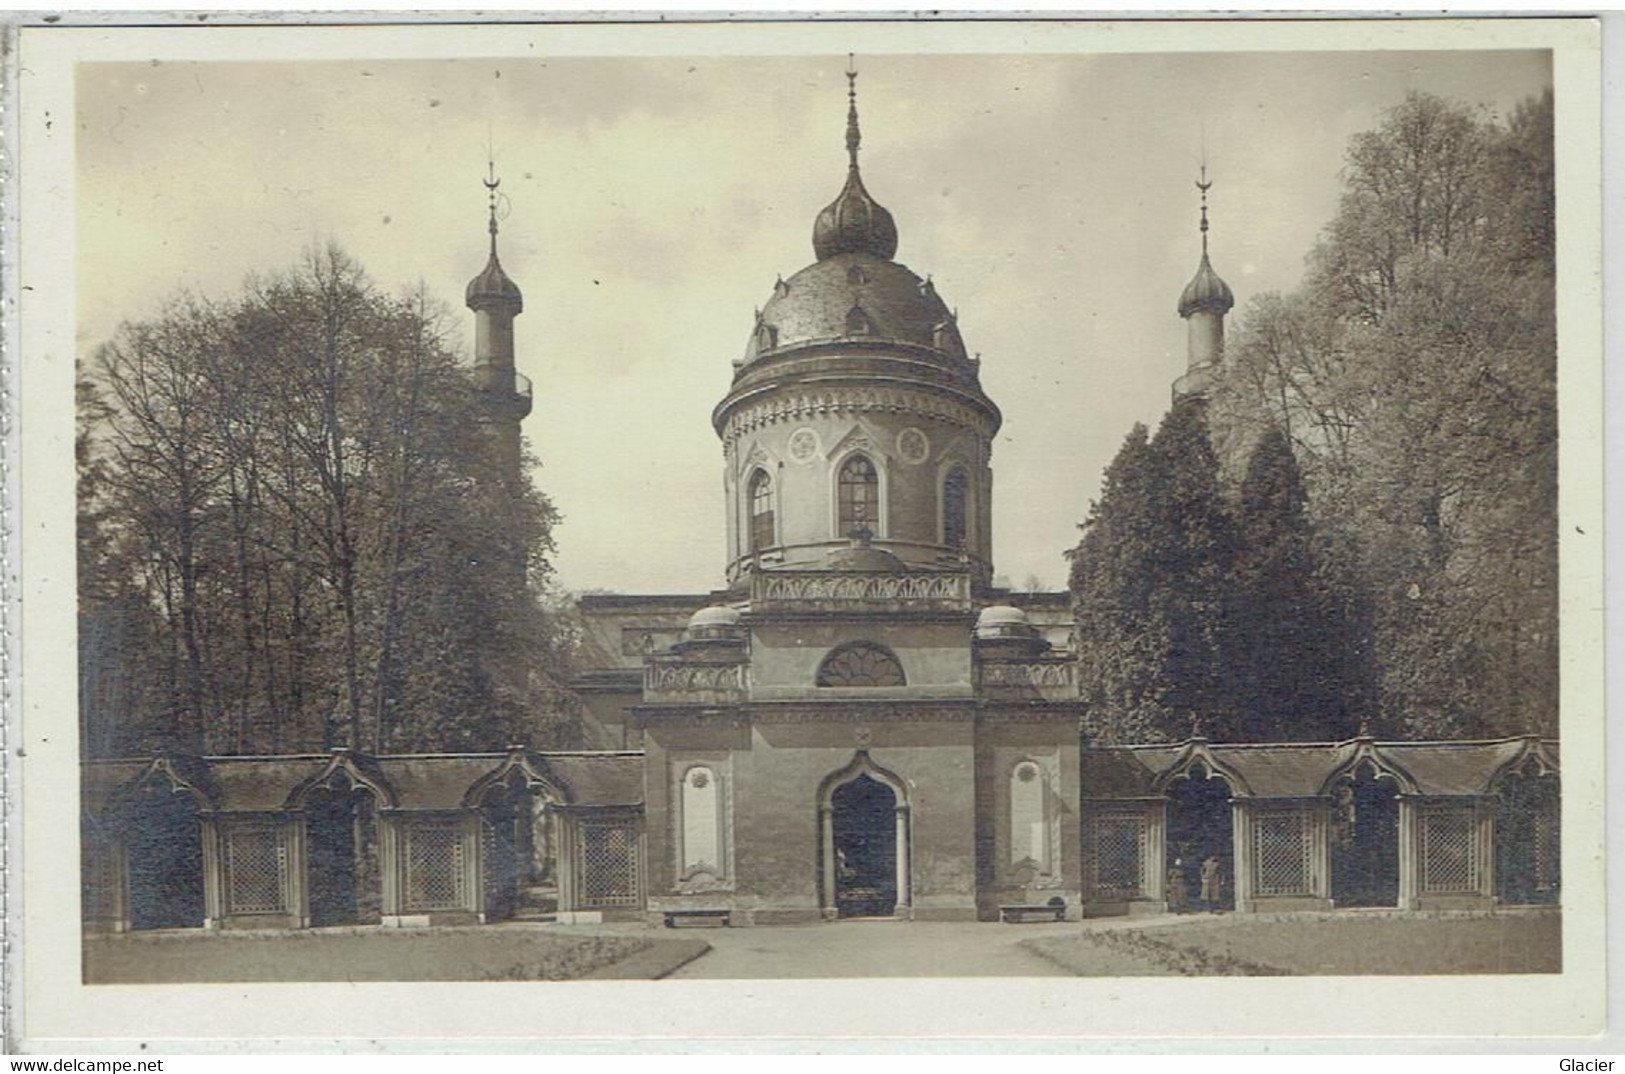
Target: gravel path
x,y
876,949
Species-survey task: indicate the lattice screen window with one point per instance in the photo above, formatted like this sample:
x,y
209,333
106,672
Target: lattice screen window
x,y
100,877
1117,855
607,863
1449,850
434,867
256,869
1547,849
1282,853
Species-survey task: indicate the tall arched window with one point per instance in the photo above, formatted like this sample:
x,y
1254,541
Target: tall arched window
x,y
955,489
761,511
858,489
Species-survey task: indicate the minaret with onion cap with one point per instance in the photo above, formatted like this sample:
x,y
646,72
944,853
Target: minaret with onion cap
x,y
504,395
1205,301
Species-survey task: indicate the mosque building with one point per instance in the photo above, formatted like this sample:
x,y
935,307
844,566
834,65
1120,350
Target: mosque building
x,y
857,724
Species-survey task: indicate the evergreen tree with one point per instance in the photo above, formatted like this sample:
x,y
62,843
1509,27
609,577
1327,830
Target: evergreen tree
x,y
1192,551
1292,652
1149,579
1118,640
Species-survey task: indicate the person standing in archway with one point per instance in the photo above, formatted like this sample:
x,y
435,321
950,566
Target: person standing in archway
x,y
1212,883
1177,887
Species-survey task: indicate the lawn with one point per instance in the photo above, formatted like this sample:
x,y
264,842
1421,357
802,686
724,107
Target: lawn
x,y
1314,944
445,954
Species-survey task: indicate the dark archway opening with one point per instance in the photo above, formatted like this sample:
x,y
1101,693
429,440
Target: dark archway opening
x,y
341,845
520,852
1199,829
863,815
1365,839
164,850
1527,842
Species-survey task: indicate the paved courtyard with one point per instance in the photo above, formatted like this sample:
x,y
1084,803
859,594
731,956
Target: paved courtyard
x,y
878,948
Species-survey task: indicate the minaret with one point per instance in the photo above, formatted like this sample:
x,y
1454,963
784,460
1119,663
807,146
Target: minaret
x,y
504,394
1204,303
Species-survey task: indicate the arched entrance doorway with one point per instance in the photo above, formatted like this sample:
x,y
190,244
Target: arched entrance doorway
x,y
865,822
163,845
1527,840
864,817
1365,838
343,879
519,848
1199,829
343,855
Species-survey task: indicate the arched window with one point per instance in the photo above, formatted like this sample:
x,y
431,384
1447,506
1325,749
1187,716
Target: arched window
x,y
761,511
858,488
861,663
955,488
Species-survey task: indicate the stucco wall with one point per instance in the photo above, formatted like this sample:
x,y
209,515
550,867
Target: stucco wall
x,y
785,657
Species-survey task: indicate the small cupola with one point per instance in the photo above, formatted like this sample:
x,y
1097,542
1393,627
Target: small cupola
x,y
714,627
1004,632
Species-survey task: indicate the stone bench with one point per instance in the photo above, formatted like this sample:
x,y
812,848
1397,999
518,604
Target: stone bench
x,y
697,919
1019,913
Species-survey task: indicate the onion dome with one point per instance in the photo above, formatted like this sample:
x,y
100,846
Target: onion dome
x,y
492,288
861,556
854,222
1206,291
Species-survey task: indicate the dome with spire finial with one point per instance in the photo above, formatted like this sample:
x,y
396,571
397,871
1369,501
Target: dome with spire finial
x,y
854,291
492,287
1206,291
854,222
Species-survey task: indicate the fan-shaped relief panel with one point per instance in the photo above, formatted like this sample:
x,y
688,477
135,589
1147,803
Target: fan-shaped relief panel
x,y
861,664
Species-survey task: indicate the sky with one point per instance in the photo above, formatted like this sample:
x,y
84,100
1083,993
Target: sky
x,y
651,203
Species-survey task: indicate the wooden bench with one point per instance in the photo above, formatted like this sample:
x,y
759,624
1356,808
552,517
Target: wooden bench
x,y
697,919
1019,913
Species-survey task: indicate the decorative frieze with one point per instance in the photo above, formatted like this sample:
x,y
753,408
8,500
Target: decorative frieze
x,y
661,680
1050,680
829,591
846,401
